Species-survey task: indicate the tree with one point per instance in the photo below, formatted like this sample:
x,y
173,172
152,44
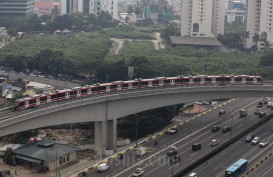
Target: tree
x,y
9,156
55,11
137,10
130,10
105,20
267,60
142,67
256,39
247,34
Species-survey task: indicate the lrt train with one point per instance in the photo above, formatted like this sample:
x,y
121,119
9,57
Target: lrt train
x,y
76,92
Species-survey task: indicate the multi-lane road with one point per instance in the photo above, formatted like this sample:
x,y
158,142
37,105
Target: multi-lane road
x,y
195,131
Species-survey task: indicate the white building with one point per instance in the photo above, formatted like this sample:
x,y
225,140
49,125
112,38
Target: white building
x,y
237,16
202,18
90,6
259,20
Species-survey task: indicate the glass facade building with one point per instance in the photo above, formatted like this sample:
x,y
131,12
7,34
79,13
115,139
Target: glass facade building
x,y
13,8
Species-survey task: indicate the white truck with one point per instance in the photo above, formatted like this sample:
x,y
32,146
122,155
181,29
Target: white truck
x,y
103,167
141,151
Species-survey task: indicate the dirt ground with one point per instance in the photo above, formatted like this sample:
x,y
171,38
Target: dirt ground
x,y
194,110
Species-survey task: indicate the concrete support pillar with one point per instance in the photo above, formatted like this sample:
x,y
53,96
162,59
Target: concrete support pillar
x,y
111,134
100,137
105,136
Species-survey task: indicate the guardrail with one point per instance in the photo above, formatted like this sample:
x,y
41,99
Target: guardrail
x,y
213,152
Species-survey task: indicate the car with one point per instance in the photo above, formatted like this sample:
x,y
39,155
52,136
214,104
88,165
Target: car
x,y
258,110
103,167
255,140
193,175
269,104
205,103
196,146
221,112
249,137
139,172
271,107
32,74
41,76
175,159
272,128
172,131
226,129
215,128
263,143
262,114
172,152
214,142
260,104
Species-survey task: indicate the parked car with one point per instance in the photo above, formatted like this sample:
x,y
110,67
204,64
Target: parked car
x,y
214,142
139,172
226,129
255,140
249,137
263,143
215,129
172,152
262,114
221,112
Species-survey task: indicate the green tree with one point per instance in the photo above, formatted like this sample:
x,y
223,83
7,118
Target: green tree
x,y
105,20
10,156
130,10
55,11
142,67
137,10
267,60
16,96
256,39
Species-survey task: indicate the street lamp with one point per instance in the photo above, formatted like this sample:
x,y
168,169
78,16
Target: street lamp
x,y
171,162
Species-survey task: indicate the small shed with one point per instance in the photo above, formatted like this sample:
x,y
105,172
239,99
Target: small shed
x,y
58,32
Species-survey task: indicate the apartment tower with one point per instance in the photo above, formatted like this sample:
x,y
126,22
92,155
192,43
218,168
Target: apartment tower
x,y
202,18
90,6
259,24
13,8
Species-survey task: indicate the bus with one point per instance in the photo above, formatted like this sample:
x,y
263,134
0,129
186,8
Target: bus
x,y
237,168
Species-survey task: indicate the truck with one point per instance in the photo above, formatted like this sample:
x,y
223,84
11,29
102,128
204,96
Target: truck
x,y
103,167
243,112
141,151
266,100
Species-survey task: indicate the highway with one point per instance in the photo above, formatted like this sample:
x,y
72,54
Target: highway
x,y
198,130
217,165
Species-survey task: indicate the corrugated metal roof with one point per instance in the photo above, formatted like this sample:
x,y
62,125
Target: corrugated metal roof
x,y
197,41
49,153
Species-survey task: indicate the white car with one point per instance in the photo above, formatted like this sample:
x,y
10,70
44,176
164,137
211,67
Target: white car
x,y
214,142
193,175
41,76
255,140
103,167
263,143
32,74
139,172
269,104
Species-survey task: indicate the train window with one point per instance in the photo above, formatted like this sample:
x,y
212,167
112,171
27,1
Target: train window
x,y
124,85
208,79
249,79
32,101
226,79
156,82
197,79
94,89
54,96
167,81
113,87
144,83
259,79
61,95
177,81
238,79
43,98
102,88
22,104
73,93
135,84
185,80
84,91
219,79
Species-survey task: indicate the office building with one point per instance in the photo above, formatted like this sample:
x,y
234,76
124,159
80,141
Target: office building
x,y
14,8
259,24
202,18
90,6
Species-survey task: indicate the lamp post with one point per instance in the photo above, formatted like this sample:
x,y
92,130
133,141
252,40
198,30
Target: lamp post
x,y
136,128
231,126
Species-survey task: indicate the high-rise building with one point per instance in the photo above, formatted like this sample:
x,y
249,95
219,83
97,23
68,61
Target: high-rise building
x,y
202,18
90,6
13,8
259,24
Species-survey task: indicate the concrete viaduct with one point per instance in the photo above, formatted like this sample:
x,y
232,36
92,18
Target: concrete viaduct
x,y
105,109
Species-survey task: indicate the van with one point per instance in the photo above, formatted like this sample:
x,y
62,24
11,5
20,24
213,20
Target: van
x,y
103,167
193,175
196,147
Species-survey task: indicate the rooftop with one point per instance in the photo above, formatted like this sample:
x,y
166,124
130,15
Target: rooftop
x,y
196,41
